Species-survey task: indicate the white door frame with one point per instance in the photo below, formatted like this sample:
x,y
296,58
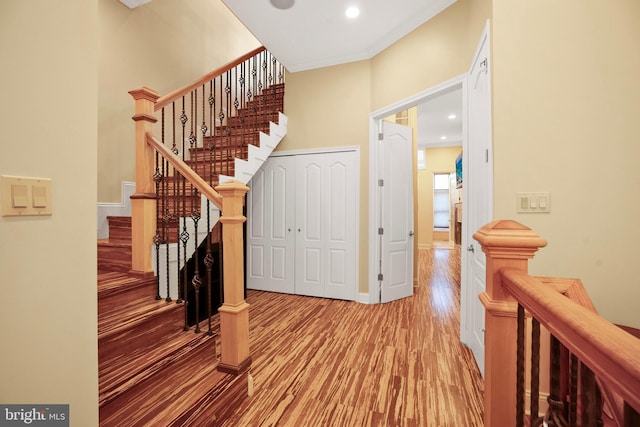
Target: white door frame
x,y
375,119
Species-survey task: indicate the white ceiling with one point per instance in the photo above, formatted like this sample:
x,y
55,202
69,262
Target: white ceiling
x,y
434,121
316,33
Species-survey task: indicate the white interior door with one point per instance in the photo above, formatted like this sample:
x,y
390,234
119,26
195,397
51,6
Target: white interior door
x,y
326,225
310,244
339,216
270,222
396,212
478,194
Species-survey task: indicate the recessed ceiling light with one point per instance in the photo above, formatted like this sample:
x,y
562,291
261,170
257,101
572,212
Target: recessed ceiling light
x,y
452,116
352,12
443,137
282,4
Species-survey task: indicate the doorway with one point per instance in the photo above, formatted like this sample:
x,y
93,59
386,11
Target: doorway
x,y
477,197
376,160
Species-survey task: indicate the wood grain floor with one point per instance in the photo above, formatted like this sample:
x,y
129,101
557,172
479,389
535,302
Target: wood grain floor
x,y
319,362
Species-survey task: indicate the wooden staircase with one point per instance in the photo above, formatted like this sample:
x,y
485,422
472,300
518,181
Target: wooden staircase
x,y
151,372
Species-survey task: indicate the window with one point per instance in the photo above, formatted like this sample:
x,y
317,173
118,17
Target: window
x,y
441,201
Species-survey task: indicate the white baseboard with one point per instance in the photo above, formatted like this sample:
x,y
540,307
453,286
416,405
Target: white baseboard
x,y
115,209
364,298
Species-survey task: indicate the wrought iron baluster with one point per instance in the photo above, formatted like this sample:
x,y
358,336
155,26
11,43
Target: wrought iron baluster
x,y
573,390
555,413
535,368
588,396
196,281
157,240
184,235
520,369
175,215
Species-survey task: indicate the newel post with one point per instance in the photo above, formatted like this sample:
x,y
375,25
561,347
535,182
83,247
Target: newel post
x,y
143,202
234,313
506,244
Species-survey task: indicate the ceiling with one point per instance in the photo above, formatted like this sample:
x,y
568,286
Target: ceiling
x,y
316,33
434,120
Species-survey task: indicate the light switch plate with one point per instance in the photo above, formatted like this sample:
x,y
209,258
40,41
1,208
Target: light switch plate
x,y
535,202
22,196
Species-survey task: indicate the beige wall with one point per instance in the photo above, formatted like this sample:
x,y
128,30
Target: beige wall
x,y
329,107
565,96
164,45
437,51
439,160
48,320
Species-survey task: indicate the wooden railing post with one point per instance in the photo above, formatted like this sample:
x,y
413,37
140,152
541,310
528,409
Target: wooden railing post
x,y
143,202
234,313
505,244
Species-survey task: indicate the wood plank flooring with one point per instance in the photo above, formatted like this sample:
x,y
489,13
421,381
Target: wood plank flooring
x,y
319,362
316,362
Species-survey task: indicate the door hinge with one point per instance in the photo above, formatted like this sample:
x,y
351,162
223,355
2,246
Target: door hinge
x,y
380,231
380,136
380,277
486,156
381,183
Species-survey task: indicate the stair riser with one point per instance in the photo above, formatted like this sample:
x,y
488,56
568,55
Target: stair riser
x,y
114,259
138,292
141,335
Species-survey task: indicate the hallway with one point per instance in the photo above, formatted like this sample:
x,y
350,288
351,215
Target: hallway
x,y
320,362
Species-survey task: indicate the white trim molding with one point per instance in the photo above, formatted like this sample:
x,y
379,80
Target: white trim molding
x,y
115,209
132,4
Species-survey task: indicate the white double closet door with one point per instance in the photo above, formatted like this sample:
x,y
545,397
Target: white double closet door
x,y
301,225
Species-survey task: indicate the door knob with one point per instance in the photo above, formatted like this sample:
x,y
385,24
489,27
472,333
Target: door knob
x,y
411,233
471,248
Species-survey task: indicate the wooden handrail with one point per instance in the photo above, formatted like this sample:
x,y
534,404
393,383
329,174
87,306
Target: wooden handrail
x,y
186,171
610,352
169,98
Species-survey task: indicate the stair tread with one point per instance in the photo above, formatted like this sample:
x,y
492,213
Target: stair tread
x,y
125,370
130,314
183,395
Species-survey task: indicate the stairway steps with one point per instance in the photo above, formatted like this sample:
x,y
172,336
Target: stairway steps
x,y
119,229
114,256
186,391
149,368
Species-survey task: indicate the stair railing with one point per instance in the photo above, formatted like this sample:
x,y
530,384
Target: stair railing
x,y
594,368
204,128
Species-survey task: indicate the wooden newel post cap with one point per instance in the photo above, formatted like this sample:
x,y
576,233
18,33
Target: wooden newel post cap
x,y
232,187
508,239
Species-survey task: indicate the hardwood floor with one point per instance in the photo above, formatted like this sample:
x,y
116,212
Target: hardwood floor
x,y
319,362
316,362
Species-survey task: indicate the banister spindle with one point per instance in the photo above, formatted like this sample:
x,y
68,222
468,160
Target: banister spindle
x,y
520,369
535,368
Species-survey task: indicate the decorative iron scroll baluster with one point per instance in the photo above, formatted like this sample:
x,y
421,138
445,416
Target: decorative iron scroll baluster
x,y
591,414
208,262
555,413
573,390
157,240
196,282
535,368
184,236
520,369
241,102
